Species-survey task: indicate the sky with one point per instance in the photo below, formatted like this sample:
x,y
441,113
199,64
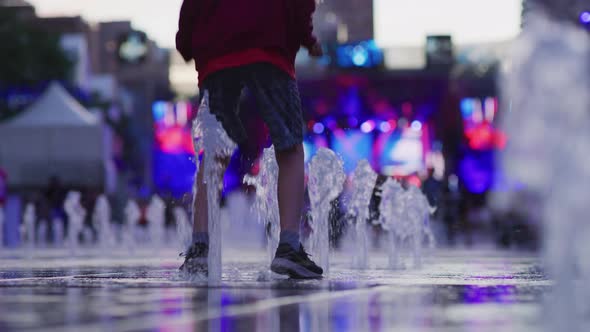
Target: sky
x,y
468,21
158,18
397,22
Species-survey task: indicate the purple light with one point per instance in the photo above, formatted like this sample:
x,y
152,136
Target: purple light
x,y
384,127
416,125
585,17
368,126
331,123
318,128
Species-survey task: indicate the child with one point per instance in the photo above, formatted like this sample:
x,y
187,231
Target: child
x,y
252,44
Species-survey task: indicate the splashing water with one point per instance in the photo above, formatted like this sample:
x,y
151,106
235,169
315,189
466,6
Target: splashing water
x,y
132,215
76,214
326,181
266,206
392,208
363,181
156,217
417,225
101,218
29,220
547,92
87,235
405,215
210,137
41,236
58,232
183,227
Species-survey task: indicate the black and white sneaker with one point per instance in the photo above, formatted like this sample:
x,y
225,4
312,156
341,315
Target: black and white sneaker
x,y
195,260
295,264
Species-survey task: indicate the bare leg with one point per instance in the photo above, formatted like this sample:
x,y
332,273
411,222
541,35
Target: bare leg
x,y
201,222
290,190
291,187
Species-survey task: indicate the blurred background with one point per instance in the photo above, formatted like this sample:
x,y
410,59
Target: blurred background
x,y
94,98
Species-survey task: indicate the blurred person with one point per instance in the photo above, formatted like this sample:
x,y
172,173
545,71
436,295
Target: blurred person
x,y
55,195
432,188
3,187
451,207
252,44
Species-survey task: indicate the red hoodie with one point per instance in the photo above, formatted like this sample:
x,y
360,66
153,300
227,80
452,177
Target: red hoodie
x,y
220,34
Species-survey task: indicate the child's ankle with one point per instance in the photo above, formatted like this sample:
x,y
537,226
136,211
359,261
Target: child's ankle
x,y
201,237
291,238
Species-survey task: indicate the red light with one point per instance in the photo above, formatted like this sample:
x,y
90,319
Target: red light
x,y
407,109
500,140
414,180
485,137
392,124
174,140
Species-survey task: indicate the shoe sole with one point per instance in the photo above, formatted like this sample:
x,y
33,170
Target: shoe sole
x,y
293,270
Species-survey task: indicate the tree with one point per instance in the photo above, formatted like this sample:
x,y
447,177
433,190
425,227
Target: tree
x,y
29,55
29,58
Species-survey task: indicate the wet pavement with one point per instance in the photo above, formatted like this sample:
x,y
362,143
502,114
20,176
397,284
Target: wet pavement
x,y
455,290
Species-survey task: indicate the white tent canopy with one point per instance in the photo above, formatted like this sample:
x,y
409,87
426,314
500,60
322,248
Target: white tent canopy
x,y
55,136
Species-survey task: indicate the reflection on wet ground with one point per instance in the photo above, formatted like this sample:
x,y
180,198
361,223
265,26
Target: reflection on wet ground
x,y
454,291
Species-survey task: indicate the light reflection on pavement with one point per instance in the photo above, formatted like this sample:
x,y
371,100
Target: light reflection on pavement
x,y
456,290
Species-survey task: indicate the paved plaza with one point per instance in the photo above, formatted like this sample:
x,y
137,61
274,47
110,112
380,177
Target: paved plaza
x,y
455,290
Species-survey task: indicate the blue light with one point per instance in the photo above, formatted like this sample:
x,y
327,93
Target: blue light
x,y
416,125
352,146
477,171
585,17
466,107
159,110
360,56
331,123
364,54
309,150
318,128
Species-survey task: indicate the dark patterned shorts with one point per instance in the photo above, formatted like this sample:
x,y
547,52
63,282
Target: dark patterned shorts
x,y
277,98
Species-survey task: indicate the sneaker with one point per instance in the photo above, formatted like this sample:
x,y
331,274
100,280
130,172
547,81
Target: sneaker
x,y
195,259
295,264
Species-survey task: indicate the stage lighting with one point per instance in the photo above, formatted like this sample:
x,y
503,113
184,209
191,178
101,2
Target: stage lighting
x,y
360,56
585,17
368,126
159,110
384,127
363,54
416,125
353,122
318,128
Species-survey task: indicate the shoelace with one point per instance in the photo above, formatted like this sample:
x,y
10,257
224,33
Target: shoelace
x,y
302,251
187,253
190,252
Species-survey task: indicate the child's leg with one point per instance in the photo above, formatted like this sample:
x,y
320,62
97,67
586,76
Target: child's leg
x,y
200,222
200,214
280,107
290,187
